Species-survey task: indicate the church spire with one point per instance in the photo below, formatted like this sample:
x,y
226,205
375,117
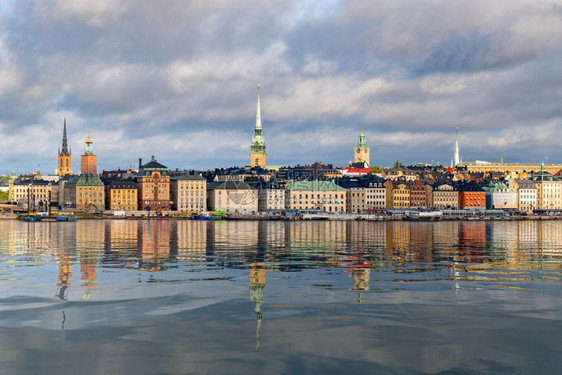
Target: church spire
x,y
456,157
257,149
64,150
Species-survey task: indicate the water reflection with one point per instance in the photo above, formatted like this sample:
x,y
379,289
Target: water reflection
x,y
464,249
336,291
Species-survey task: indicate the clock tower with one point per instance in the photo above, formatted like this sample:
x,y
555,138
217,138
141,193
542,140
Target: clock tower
x,y
362,152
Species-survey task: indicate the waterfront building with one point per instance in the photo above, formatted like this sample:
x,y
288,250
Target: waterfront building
x,y
549,189
362,152
517,168
500,196
271,195
257,149
122,195
64,165
526,194
397,194
188,193
85,193
88,161
471,195
420,194
456,156
153,184
444,196
232,197
316,194
33,194
364,195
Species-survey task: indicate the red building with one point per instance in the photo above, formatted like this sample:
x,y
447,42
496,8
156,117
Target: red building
x,y
472,196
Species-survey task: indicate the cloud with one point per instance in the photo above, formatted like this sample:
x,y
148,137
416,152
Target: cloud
x,y
408,72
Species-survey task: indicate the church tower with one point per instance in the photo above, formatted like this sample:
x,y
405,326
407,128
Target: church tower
x,y
456,156
65,156
89,160
257,150
362,151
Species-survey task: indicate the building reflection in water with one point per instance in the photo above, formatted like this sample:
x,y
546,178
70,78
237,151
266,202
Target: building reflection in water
x,y
257,284
457,250
154,245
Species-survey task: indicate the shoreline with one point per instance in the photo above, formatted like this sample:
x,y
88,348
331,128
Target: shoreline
x,y
242,218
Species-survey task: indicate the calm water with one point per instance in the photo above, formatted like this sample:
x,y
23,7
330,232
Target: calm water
x,y
167,297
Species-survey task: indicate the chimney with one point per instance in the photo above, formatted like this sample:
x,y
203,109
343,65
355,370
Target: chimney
x,y
140,163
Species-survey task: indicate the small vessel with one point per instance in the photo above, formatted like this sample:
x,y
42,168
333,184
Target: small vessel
x,y
30,218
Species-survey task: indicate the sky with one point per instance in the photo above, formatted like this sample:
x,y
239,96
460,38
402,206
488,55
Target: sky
x,y
178,80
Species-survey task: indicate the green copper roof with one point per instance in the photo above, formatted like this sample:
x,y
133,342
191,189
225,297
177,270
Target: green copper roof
x,y
89,179
315,185
258,142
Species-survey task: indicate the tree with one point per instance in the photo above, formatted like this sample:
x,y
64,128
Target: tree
x,y
376,169
397,165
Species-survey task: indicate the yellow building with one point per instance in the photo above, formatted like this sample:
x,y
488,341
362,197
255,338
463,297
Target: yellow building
x,y
34,194
122,195
518,168
397,194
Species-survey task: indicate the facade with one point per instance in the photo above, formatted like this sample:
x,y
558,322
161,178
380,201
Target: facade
x,y
232,197
445,196
122,195
362,151
316,195
64,165
526,194
364,195
34,194
188,193
472,196
419,194
483,167
88,161
257,149
153,184
85,192
500,196
271,197
549,189
397,194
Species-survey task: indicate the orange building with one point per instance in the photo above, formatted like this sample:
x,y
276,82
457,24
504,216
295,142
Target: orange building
x,y
472,197
153,184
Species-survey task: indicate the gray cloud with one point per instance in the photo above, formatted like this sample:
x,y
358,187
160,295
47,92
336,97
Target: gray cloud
x,y
493,69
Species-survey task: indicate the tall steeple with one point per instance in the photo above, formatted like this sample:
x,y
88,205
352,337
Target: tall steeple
x,y
64,141
456,158
64,166
362,151
257,149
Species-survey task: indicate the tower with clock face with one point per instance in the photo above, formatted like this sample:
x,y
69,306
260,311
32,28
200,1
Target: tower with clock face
x,y
362,151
